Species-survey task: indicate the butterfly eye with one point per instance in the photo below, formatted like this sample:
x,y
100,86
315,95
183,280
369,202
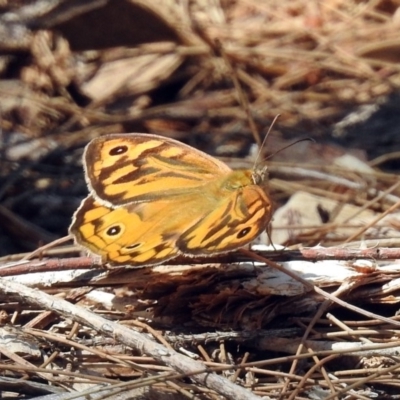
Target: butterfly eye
x,y
116,151
243,233
114,230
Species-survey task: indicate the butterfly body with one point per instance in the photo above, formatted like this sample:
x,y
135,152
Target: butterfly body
x,y
153,198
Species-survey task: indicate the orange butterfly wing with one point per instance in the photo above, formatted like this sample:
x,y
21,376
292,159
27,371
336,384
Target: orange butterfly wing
x,y
122,169
235,222
123,235
156,198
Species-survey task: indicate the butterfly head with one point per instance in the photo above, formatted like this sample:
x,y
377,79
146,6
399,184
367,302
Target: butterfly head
x,y
259,175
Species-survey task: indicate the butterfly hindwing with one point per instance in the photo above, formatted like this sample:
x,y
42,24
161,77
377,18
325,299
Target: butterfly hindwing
x,y
121,235
237,221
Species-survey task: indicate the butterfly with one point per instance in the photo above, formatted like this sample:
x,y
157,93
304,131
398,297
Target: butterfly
x,y
153,198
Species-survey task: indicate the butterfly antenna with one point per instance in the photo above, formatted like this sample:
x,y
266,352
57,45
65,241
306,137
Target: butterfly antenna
x,y
307,139
264,141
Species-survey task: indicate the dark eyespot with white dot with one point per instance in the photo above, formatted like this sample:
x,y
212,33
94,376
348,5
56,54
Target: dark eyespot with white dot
x,y
118,150
243,233
113,231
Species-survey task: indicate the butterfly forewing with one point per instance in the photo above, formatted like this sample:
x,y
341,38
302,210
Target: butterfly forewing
x,y
137,168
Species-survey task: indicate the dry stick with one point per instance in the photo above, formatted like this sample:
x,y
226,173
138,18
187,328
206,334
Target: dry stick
x,y
372,202
58,251
348,330
362,381
309,373
91,350
114,389
130,338
339,253
56,352
359,350
325,354
320,311
310,286
382,159
152,331
368,204
181,390
318,290
47,246
239,370
277,374
79,376
52,264
21,362
372,223
203,352
316,317
320,365
334,394
307,253
302,172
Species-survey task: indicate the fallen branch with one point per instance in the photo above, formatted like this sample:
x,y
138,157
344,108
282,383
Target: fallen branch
x,y
199,372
